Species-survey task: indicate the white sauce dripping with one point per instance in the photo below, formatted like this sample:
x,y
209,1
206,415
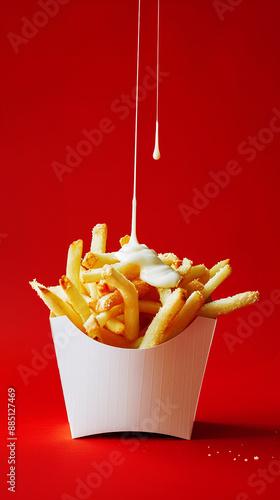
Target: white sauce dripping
x,y
156,153
152,269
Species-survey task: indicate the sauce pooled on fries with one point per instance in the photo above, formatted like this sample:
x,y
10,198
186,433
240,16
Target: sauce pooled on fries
x,y
152,269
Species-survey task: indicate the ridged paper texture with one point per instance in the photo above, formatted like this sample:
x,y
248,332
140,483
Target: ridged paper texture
x,y
108,389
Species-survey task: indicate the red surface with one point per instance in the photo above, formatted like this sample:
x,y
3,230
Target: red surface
x,y
222,60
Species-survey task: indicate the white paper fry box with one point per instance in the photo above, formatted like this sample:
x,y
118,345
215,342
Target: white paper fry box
x,y
110,389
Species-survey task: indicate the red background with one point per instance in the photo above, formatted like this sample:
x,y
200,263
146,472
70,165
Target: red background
x,y
223,82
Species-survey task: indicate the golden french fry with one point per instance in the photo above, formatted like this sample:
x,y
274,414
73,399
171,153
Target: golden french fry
x,y
130,299
124,240
77,300
108,337
136,344
185,316
105,258
97,260
155,332
130,271
86,287
142,287
57,290
229,304
99,238
214,269
91,302
91,289
192,286
89,260
92,326
57,305
205,277
184,267
149,306
216,280
164,293
105,302
109,300
116,326
73,267
193,273
103,317
170,259
103,288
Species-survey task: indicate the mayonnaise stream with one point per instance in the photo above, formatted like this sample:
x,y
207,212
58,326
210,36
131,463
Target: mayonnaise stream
x,y
156,153
152,269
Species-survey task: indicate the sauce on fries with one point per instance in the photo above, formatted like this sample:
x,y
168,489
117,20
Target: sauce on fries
x,y
152,269
134,297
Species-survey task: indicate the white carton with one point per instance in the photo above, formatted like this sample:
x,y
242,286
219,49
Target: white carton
x,y
109,389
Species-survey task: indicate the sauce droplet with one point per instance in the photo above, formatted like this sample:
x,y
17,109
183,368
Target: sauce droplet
x,y
156,153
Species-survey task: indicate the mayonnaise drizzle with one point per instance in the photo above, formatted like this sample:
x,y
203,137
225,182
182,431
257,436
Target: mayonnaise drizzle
x,y
156,153
152,269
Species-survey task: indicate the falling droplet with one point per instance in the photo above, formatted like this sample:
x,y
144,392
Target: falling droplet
x,y
156,153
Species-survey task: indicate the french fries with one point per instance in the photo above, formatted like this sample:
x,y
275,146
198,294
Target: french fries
x,y
99,239
78,302
225,306
108,301
130,298
57,306
155,333
185,316
73,266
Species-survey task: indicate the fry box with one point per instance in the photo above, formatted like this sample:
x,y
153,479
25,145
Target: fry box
x,y
112,389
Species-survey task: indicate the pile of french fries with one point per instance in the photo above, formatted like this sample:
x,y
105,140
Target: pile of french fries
x,y
107,300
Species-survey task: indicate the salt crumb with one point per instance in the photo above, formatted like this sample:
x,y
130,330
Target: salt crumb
x,y
229,451
209,454
234,459
218,452
256,458
245,459
238,455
